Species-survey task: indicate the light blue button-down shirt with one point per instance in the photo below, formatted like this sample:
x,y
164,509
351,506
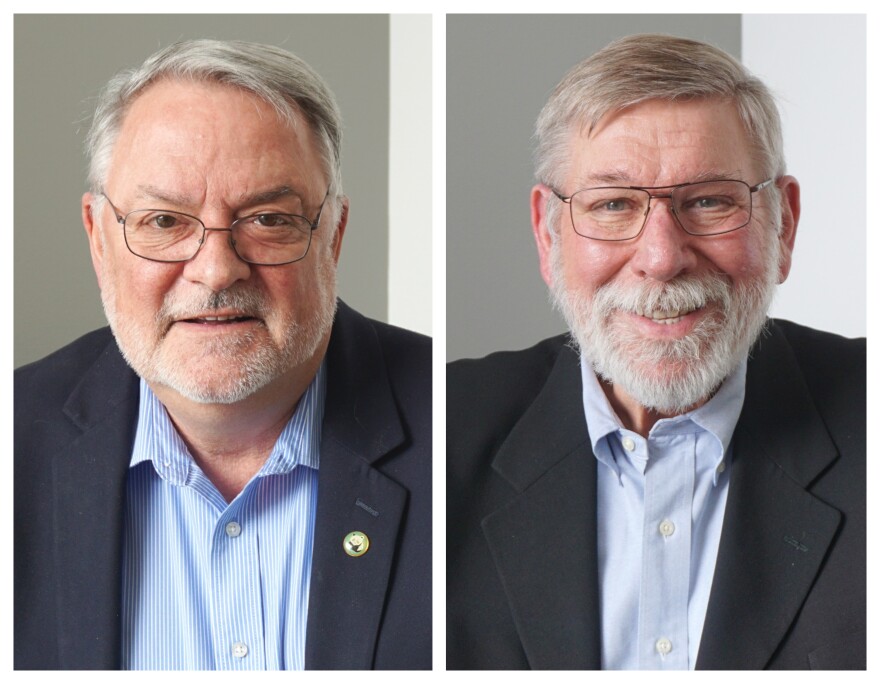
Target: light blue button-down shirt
x,y
209,585
660,510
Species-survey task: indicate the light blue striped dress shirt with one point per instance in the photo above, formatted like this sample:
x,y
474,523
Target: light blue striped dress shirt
x,y
208,585
660,509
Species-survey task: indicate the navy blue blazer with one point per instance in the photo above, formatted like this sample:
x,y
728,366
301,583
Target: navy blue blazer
x,y
789,587
75,421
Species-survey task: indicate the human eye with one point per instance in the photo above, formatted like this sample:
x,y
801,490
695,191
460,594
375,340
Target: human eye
x,y
271,228
711,199
710,202
165,221
160,221
272,220
612,206
709,209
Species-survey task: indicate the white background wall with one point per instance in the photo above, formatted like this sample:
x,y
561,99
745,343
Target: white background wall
x,y
816,64
409,182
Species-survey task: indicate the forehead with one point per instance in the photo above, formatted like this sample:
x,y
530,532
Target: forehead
x,y
660,142
210,137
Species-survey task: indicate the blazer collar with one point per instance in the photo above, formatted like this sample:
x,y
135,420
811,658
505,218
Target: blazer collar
x,y
89,478
775,534
361,425
543,541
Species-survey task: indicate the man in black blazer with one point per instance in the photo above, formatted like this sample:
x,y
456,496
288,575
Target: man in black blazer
x,y
228,331
680,483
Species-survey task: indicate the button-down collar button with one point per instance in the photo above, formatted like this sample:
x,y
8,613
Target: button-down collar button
x,y
233,529
720,468
628,443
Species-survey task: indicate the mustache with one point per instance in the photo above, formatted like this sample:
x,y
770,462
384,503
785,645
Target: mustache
x,y
683,294
244,301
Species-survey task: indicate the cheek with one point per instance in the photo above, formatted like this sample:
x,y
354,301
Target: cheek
x,y
140,287
589,264
742,256
289,292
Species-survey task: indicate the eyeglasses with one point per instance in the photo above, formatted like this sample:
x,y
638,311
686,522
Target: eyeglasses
x,y
704,208
265,239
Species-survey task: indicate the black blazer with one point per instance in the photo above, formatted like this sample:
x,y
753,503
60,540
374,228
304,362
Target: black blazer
x,y
75,420
789,584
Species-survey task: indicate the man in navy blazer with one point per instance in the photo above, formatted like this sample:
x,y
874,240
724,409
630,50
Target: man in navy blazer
x,y
680,483
215,220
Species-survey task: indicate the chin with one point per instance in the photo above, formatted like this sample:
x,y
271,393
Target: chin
x,y
226,391
231,372
669,389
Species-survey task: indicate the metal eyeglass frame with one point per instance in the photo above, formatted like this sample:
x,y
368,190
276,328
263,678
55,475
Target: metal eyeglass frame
x,y
313,225
669,195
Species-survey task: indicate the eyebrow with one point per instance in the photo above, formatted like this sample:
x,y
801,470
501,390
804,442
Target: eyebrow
x,y
269,195
620,177
153,193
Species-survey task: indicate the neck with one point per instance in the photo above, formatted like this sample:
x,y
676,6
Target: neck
x,y
231,442
632,414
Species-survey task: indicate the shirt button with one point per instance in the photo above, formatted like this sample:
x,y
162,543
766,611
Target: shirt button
x,y
233,529
239,649
663,646
628,443
720,468
667,527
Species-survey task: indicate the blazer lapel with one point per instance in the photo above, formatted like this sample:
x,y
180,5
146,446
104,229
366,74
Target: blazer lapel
x,y
775,534
88,484
361,424
544,540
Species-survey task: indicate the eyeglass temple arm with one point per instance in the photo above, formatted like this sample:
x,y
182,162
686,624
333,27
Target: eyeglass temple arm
x,y
559,195
120,219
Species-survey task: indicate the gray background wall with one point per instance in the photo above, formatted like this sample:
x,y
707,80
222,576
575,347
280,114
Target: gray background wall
x,y
500,71
61,62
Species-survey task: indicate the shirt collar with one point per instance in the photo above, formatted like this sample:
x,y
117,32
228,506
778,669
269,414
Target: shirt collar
x,y
157,440
718,416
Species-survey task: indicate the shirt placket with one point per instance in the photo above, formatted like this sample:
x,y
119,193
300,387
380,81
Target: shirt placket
x,y
666,549
237,619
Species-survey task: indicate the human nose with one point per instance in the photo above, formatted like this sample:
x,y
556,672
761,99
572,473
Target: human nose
x,y
216,264
663,249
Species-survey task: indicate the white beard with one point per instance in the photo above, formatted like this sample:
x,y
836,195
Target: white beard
x,y
667,376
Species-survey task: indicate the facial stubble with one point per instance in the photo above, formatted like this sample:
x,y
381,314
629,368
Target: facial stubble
x,y
224,369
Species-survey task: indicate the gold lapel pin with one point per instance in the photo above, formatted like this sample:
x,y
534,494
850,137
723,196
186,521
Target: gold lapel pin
x,y
356,544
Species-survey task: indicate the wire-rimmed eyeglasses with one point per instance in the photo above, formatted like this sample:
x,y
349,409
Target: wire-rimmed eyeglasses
x,y
703,208
263,239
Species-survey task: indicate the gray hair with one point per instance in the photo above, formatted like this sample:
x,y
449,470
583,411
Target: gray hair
x,y
280,78
654,67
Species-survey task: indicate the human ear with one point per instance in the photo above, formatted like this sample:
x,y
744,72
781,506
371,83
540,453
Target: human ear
x,y
542,231
790,207
339,230
93,231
